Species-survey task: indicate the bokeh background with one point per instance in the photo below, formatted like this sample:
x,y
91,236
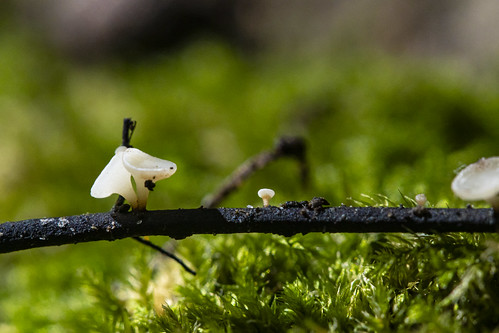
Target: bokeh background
x,y
391,97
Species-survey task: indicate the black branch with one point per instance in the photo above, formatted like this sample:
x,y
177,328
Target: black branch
x,y
287,220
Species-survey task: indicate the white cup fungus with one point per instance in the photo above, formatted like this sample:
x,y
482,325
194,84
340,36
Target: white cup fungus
x,y
114,179
479,181
144,167
131,162
266,194
421,199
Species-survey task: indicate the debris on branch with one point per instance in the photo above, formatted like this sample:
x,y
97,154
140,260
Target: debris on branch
x,y
289,219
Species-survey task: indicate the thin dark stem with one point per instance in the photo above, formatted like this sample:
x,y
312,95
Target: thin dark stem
x,y
164,252
293,147
287,221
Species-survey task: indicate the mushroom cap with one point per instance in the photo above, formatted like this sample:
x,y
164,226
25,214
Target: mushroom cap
x,y
145,166
114,179
421,199
266,193
478,181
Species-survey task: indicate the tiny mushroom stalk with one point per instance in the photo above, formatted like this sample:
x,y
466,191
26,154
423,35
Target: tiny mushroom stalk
x,y
479,181
266,194
131,162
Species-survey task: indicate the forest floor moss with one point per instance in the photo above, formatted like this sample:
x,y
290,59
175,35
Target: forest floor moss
x,y
374,124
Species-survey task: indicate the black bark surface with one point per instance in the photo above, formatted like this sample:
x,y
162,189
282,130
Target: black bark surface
x,y
287,221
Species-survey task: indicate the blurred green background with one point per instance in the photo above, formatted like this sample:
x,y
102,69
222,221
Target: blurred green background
x,y
391,105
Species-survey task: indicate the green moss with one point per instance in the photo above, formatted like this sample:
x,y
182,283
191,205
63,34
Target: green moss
x,y
389,128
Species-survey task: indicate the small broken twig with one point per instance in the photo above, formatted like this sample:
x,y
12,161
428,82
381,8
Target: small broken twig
x,y
285,147
128,128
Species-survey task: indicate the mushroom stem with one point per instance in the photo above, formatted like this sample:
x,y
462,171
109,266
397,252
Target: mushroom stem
x,y
142,195
266,194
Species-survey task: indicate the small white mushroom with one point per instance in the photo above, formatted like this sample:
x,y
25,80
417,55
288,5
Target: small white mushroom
x,y
479,181
146,171
114,179
421,199
128,162
266,194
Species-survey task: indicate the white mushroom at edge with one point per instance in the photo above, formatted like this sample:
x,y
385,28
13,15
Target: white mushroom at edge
x,y
479,181
128,162
266,194
144,167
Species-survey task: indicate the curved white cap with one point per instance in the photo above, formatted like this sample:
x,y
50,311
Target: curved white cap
x,y
478,181
114,179
266,193
145,166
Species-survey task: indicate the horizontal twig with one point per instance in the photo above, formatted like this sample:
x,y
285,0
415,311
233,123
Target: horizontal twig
x,y
287,221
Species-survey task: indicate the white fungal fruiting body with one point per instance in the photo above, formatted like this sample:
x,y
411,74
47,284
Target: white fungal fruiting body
x,y
144,167
479,181
266,194
127,163
114,179
421,199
